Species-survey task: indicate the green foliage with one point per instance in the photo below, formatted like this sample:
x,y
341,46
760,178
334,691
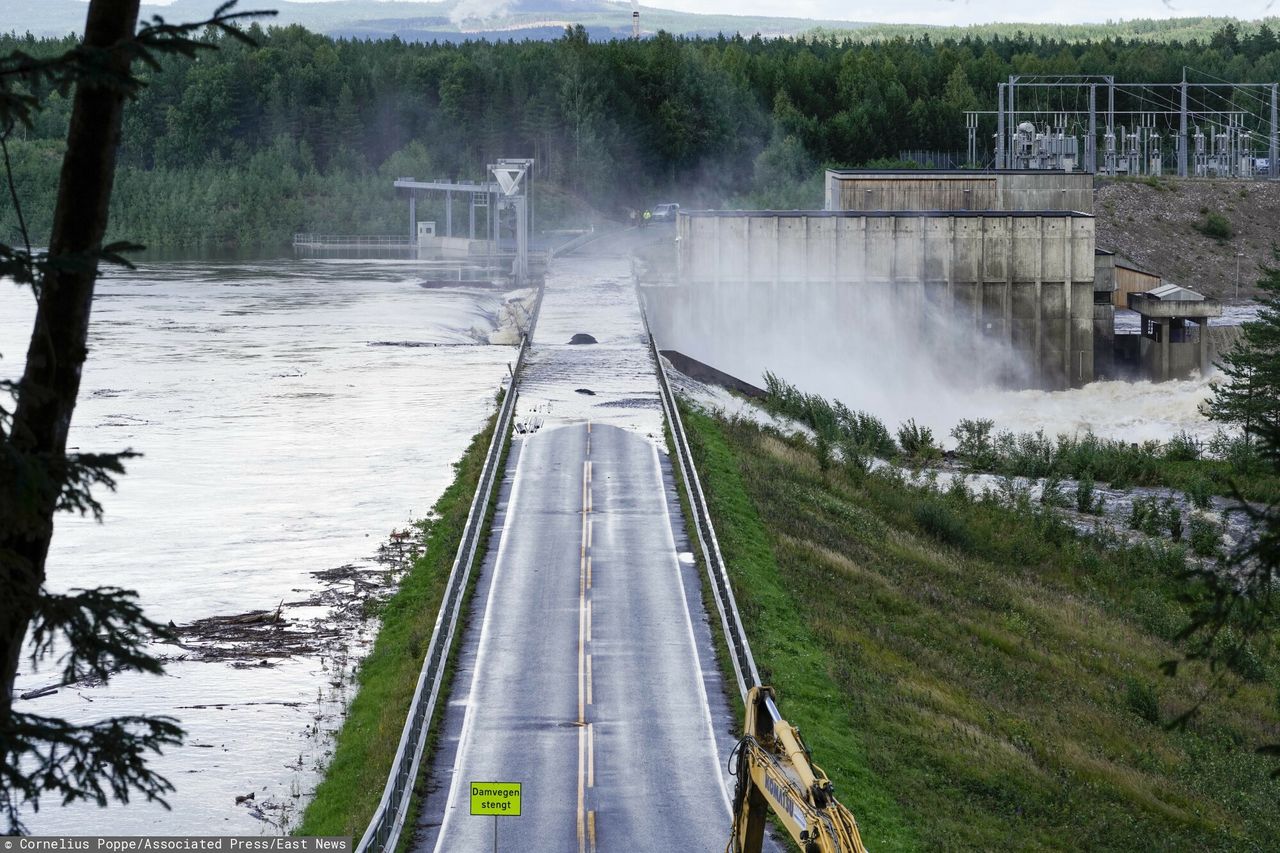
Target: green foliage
x,y
1249,394
1205,536
1087,499
1199,492
1250,38
1183,447
1145,515
1231,462
973,443
1141,699
917,442
983,658
715,122
1215,225
935,518
859,434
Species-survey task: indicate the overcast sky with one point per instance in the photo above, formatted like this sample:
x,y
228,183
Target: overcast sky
x,y
948,11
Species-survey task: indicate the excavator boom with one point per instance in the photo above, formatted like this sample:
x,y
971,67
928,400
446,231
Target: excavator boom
x,y
776,774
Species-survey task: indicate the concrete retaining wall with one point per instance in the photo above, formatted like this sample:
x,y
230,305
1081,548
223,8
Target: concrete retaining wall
x,y
1007,297
923,190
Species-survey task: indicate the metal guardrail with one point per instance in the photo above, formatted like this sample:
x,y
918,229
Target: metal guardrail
x,y
744,664
351,240
388,819
581,240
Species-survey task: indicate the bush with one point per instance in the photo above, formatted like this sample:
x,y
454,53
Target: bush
x,y
832,421
822,447
973,442
1240,655
1051,493
1216,225
1172,517
1183,447
917,441
936,519
866,430
1144,516
1087,500
857,459
1141,699
1200,493
1205,536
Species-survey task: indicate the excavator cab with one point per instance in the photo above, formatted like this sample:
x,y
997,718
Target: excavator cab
x,y
775,773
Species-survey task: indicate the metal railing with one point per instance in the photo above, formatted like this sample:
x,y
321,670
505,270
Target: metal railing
x,y
352,240
388,819
744,664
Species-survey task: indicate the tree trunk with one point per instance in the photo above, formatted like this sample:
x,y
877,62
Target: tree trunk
x,y
51,381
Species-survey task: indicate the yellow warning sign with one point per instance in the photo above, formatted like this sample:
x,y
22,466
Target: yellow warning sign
x,y
501,799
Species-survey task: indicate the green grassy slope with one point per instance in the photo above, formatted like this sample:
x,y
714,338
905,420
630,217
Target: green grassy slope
x,y
975,676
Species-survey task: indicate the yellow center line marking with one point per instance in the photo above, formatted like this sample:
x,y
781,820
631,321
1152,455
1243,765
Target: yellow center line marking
x,y
586,731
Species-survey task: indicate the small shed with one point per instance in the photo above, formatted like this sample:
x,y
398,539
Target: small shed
x,y
1129,278
1174,339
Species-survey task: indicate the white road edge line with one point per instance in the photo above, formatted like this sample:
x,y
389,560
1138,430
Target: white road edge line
x,y
482,648
693,640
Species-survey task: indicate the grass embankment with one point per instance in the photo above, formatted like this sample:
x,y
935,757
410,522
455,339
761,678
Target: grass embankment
x,y
366,744
975,675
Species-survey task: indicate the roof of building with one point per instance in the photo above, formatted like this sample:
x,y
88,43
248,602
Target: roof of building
x,y
951,173
1170,292
851,214
1124,264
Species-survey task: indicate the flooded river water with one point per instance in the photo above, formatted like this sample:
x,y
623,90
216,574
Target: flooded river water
x,y
291,414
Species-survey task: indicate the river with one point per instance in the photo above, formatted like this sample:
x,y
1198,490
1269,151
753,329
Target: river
x,y
291,414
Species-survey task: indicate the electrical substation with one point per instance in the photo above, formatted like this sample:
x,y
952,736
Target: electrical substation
x,y
1206,128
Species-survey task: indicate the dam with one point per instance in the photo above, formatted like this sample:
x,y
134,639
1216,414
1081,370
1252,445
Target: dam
x,y
964,277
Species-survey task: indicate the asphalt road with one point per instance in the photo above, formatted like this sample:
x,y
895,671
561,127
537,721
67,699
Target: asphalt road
x,y
587,683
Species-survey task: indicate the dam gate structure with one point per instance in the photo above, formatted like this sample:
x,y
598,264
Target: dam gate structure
x,y
1000,295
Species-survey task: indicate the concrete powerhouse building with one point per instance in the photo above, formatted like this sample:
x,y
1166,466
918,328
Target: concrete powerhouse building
x,y
975,270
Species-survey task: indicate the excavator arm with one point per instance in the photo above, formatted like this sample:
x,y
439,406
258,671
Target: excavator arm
x,y
775,774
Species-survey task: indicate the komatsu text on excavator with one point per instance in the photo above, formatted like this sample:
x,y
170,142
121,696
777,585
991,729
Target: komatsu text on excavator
x,y
775,772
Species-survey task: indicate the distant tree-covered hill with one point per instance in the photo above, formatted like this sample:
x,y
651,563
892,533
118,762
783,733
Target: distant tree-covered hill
x,y
442,20
305,132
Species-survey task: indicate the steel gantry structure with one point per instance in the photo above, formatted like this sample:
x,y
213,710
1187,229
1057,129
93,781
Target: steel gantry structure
x,y
510,190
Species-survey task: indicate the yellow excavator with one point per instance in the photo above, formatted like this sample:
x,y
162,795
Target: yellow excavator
x,y
775,773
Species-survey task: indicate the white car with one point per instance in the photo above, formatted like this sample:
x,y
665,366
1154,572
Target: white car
x,y
665,212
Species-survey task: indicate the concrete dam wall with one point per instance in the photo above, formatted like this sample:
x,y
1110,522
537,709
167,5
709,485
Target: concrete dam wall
x,y
962,298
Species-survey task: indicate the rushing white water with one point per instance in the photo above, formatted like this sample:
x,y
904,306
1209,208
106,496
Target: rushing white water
x,y
291,413
1128,411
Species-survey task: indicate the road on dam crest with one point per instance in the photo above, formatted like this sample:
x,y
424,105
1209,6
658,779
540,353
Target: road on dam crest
x,y
586,672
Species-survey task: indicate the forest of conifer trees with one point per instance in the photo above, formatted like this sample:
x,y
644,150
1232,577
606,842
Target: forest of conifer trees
x,y
247,145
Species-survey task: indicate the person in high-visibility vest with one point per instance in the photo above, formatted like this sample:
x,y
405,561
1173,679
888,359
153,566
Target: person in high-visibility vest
x,y
644,220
